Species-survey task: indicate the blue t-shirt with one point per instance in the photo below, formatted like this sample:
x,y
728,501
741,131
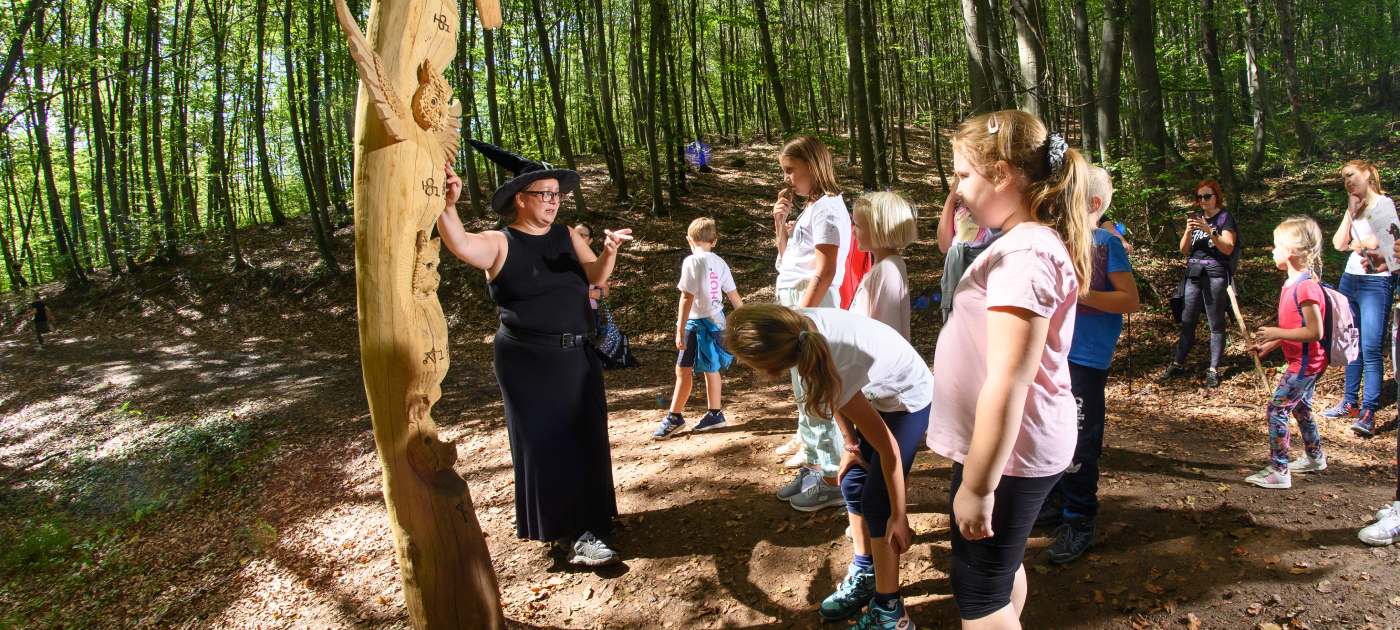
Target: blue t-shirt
x,y
1096,332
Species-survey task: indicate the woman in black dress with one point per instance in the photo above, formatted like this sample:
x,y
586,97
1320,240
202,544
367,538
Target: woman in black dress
x,y
538,272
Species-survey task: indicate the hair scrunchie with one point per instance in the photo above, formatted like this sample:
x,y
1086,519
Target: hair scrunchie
x,y
801,339
1055,150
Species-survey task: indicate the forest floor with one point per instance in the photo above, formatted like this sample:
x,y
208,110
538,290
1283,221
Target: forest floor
x,y
192,448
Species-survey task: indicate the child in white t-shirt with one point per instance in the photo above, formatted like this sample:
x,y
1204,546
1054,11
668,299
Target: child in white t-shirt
x,y
884,225
705,281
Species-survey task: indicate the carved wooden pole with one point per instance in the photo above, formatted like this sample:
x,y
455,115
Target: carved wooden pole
x,y
406,130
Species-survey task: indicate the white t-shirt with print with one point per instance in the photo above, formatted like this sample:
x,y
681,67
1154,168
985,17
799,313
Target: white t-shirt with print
x,y
873,359
706,276
825,222
1374,220
883,295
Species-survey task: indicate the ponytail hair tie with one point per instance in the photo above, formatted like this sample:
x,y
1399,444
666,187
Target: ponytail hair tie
x,y
1055,149
801,339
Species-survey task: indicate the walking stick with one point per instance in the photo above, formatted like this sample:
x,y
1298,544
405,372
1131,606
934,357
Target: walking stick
x,y
1129,317
1249,339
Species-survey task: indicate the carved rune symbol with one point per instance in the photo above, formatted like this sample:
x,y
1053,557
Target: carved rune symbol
x,y
430,187
441,21
432,356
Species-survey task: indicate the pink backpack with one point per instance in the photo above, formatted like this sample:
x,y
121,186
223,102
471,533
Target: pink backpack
x,y
1340,339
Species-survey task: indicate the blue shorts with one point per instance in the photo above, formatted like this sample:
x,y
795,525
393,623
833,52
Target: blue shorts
x,y
865,491
704,348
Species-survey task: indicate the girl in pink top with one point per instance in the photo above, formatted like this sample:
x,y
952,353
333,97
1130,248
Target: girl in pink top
x,y
1004,410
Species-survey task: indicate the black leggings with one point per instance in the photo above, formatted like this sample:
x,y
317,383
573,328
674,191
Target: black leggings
x,y
984,571
1205,292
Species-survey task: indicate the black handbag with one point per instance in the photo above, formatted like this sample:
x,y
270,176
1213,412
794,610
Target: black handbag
x,y
1178,300
610,343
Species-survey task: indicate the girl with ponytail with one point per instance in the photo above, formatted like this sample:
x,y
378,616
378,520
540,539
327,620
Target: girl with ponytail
x,y
1006,415
1301,309
867,374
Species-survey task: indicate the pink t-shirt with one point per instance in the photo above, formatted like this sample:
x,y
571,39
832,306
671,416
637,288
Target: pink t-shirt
x,y
1296,294
1029,268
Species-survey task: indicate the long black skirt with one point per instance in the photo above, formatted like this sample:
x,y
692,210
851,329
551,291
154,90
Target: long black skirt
x,y
557,420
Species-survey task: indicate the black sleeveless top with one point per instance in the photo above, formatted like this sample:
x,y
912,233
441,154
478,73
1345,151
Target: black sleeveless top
x,y
542,287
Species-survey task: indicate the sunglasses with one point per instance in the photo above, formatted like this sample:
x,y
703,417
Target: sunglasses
x,y
1205,196
547,196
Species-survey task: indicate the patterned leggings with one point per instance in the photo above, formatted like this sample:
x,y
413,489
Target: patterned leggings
x,y
1293,396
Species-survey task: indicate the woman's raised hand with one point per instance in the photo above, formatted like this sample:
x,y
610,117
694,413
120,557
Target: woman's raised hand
x,y
451,189
612,240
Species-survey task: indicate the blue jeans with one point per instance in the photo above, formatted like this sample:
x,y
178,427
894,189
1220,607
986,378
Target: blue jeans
x,y
1370,299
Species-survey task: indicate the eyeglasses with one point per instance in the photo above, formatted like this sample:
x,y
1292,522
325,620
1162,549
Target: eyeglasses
x,y
1205,197
547,196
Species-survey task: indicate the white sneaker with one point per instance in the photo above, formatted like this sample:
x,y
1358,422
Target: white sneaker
x,y
1387,509
1308,464
797,460
790,446
1270,478
1384,531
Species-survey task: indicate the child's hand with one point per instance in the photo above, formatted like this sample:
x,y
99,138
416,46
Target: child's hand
x,y
680,337
848,460
595,292
1268,333
1259,350
974,513
897,533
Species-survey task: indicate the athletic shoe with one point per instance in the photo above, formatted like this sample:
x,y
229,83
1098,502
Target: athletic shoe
x,y
878,617
590,552
669,426
1051,514
1385,530
1212,378
1308,464
789,447
851,595
798,459
1387,509
1365,425
1270,478
1342,409
1173,371
1072,539
712,420
799,483
819,496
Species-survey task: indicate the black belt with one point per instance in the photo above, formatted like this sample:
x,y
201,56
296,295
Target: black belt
x,y
553,340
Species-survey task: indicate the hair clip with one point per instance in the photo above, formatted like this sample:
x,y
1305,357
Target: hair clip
x,y
801,338
1055,149
993,125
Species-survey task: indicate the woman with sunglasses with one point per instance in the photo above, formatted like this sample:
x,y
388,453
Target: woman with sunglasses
x,y
538,272
1209,246
1367,283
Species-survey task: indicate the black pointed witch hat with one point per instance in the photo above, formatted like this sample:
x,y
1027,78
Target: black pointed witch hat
x,y
526,171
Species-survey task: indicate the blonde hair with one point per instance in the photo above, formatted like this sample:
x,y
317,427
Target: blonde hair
x,y
887,219
1373,175
1101,186
703,230
813,153
1058,199
772,338
1302,235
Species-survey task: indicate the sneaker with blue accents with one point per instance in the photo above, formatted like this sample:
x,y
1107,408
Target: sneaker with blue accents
x,y
1342,409
1386,529
669,426
1365,425
878,617
851,595
712,420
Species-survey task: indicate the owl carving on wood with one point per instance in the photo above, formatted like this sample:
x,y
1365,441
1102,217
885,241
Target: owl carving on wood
x,y
428,115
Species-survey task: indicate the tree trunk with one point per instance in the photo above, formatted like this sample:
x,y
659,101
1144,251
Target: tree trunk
x,y
66,247
1110,124
97,139
269,183
1142,41
1222,121
492,108
856,70
467,78
556,91
446,568
875,100
770,64
658,205
320,231
611,144
1258,90
70,135
220,203
979,55
1307,144
1029,19
1084,71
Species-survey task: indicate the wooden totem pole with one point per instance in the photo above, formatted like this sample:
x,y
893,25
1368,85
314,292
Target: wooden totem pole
x,y
407,127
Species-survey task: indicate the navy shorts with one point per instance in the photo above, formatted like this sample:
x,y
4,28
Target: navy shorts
x,y
864,490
